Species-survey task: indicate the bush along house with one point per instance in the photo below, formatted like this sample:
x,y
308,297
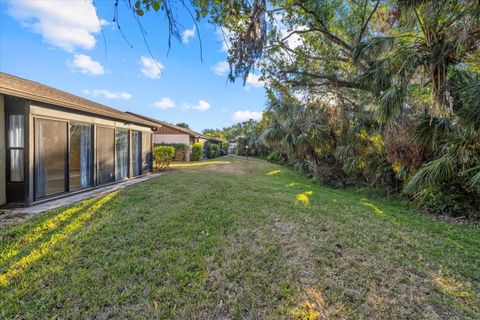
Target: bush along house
x,y
53,143
169,134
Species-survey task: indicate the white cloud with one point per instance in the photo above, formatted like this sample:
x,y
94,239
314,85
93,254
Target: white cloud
x,y
246,115
86,65
202,105
254,80
188,34
165,103
105,23
108,94
150,68
221,68
64,24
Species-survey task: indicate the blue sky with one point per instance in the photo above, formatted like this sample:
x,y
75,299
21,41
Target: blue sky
x,y
60,43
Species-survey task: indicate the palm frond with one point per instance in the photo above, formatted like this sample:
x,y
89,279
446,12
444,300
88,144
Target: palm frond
x,y
390,104
289,141
373,46
274,133
475,180
376,77
344,152
431,131
466,93
431,174
354,164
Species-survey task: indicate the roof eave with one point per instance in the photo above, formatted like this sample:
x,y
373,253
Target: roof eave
x,y
62,103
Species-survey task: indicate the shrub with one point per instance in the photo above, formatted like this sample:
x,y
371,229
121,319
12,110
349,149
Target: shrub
x,y
213,151
276,157
197,151
206,146
163,156
181,150
451,199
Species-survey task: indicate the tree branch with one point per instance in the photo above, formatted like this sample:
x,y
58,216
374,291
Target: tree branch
x,y
323,28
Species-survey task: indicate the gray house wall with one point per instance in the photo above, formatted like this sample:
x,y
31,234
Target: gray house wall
x,y
2,151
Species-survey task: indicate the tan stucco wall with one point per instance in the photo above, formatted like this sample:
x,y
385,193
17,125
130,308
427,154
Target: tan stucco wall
x,y
171,138
2,151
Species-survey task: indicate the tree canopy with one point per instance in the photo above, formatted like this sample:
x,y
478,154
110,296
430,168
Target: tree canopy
x,y
183,125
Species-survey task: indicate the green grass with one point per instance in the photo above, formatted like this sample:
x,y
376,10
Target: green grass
x,y
236,239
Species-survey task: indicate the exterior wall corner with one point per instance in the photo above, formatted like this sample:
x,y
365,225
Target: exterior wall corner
x,y
2,152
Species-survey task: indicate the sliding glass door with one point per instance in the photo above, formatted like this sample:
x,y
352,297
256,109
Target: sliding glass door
x,y
50,157
105,155
121,154
80,156
64,156
136,153
146,152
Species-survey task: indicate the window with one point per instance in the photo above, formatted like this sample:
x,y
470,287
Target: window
x,y
146,152
80,156
121,149
50,157
136,153
16,129
105,155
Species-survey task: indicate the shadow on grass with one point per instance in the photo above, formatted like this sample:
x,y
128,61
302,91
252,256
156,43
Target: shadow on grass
x,y
35,236
42,230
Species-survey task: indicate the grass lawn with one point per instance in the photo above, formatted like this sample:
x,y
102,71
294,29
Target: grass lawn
x,y
238,239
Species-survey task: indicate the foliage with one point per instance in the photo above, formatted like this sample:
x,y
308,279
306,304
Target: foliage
x,y
449,198
232,132
181,150
163,156
212,150
183,125
276,157
197,151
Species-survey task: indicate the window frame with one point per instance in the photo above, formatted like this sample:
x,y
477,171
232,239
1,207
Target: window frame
x,y
91,155
67,158
19,148
127,134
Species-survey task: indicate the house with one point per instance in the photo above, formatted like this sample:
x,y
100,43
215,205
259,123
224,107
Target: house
x,y
168,133
232,146
213,140
53,143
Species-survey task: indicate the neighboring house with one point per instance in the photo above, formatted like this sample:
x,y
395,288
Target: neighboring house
x,y
53,143
232,146
168,133
204,139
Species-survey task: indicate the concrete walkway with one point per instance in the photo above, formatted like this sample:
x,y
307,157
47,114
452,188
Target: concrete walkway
x,y
11,216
